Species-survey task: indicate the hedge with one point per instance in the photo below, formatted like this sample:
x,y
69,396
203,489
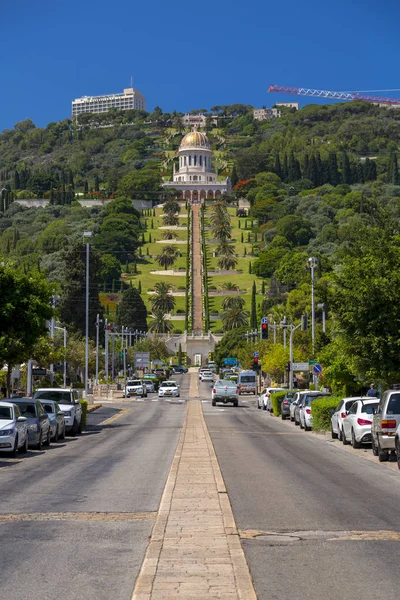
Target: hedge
x,y
84,405
321,410
276,400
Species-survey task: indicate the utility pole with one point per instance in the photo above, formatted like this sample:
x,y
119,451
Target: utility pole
x,y
292,329
106,355
87,234
312,262
113,358
97,347
52,323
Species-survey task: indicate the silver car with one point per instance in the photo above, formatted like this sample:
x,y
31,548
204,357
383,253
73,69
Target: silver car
x,y
384,424
56,418
358,422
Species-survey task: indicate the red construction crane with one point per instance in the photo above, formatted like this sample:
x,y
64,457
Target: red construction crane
x,y
283,89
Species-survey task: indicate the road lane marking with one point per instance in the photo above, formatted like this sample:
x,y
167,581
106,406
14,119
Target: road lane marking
x,y
77,516
255,432
114,418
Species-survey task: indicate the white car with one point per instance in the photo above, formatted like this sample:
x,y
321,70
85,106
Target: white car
x,y
264,401
207,376
13,429
305,413
357,425
67,399
201,371
340,414
168,389
135,387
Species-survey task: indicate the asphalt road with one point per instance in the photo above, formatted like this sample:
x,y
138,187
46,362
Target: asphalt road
x,y
75,519
326,520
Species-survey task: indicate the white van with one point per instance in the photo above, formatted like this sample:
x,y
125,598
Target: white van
x,y
247,382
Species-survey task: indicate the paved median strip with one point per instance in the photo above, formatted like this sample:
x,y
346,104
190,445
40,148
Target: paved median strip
x,y
77,516
195,548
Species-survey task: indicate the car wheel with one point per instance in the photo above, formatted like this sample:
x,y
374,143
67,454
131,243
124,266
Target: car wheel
x,y
354,442
24,448
397,449
48,439
383,456
39,444
213,402
236,403
345,441
264,407
373,445
80,426
14,451
57,435
62,434
340,434
333,434
74,428
283,417
258,405
291,419
306,428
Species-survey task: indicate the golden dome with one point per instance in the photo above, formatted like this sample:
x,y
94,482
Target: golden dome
x,y
195,139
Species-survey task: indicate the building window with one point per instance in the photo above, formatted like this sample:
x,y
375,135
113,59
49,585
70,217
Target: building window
x,y
201,161
190,161
185,160
194,160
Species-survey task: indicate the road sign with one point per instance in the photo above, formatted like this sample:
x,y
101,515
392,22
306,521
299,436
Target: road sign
x,y
230,361
316,369
142,359
312,362
39,372
300,366
255,354
264,320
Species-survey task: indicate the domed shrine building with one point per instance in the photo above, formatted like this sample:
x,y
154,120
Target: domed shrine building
x,y
195,179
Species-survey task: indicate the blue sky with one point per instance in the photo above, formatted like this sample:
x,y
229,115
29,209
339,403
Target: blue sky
x,y
185,55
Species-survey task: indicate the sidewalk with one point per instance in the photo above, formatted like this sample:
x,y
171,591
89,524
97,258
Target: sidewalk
x,y
194,551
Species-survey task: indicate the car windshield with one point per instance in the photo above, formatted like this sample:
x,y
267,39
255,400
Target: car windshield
x,y
135,382
169,384
6,413
28,409
247,379
369,409
63,397
49,408
394,405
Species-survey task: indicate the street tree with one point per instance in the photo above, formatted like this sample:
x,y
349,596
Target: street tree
x,y
132,310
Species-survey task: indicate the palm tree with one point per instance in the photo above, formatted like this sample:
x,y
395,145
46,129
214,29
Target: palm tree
x,y
163,300
232,302
225,248
160,324
171,206
167,257
234,318
169,235
228,285
171,219
222,231
227,262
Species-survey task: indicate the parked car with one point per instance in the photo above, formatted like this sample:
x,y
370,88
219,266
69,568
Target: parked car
x,y
207,376
302,395
285,404
358,422
67,399
397,446
305,412
57,419
13,429
225,391
169,389
135,387
153,378
340,414
384,424
37,420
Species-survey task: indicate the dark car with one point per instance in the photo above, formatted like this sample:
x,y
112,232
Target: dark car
x,y
285,404
179,369
38,421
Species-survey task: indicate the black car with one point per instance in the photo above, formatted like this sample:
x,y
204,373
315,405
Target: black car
x,y
179,369
285,404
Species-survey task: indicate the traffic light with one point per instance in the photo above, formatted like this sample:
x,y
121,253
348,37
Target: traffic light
x,y
264,329
256,364
304,322
288,367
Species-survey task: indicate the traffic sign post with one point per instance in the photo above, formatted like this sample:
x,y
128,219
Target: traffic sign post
x,y
316,369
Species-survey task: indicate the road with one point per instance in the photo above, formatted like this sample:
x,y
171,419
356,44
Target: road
x,y
96,496
307,495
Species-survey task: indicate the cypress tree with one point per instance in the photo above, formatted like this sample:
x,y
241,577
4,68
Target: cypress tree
x,y
263,288
132,310
306,167
333,171
313,171
239,224
121,286
113,286
253,313
278,166
241,237
248,237
360,172
250,270
96,183
139,287
149,238
320,171
245,251
346,170
285,168
234,176
17,182
393,171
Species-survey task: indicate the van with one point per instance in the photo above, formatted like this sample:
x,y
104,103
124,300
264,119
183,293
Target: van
x,y
247,382
384,424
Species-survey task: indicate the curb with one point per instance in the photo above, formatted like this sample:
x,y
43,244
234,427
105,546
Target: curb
x,y
93,407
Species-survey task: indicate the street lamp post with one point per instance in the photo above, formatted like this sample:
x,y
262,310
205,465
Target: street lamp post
x,y
97,347
87,234
312,263
64,329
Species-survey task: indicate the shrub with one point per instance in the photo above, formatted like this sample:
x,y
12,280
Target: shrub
x,y
276,400
84,405
321,410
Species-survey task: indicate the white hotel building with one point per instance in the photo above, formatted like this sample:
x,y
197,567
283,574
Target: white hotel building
x,y
130,99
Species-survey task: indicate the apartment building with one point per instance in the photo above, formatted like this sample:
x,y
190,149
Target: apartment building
x,y
130,99
263,114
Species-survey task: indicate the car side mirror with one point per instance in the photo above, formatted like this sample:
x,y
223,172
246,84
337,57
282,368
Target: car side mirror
x,y
45,416
21,419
